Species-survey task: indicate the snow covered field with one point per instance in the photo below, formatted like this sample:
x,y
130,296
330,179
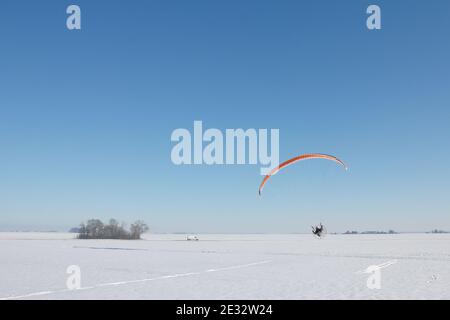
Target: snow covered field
x,y
33,266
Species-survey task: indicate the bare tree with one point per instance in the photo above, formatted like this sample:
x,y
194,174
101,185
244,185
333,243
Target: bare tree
x,y
137,229
94,228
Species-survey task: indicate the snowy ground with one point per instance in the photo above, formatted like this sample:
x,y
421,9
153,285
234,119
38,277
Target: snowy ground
x,y
33,266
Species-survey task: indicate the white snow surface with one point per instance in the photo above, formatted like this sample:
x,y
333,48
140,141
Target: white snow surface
x,y
414,266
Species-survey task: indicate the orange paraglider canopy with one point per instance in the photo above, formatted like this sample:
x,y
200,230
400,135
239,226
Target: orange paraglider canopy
x,y
296,159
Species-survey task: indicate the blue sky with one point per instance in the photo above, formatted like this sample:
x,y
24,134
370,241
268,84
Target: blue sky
x,y
86,116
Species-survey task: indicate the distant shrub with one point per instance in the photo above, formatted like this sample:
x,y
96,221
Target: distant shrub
x,y
96,229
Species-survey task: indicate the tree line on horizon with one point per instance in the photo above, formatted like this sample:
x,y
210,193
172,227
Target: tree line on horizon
x,y
370,232
96,229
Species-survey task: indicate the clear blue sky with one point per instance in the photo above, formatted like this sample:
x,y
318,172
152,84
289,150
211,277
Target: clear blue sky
x,y
86,116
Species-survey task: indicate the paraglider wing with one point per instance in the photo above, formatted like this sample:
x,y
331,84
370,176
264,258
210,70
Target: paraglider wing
x,y
296,159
